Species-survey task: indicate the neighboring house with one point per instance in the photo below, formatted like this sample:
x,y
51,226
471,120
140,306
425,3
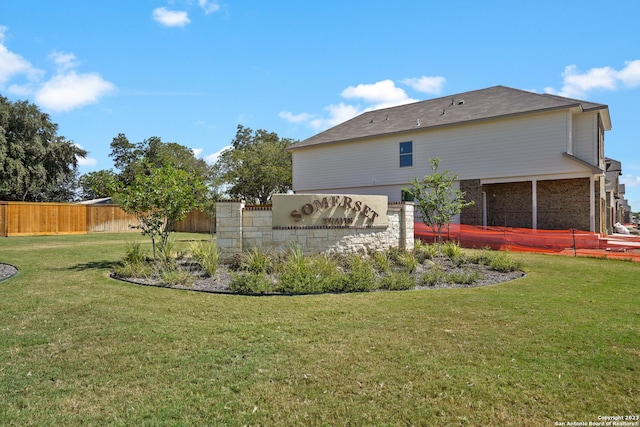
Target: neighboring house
x,y
618,209
526,159
102,201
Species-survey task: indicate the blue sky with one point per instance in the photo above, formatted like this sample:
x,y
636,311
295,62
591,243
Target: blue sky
x,y
190,71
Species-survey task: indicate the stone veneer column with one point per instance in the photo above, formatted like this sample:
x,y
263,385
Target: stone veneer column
x,y
406,226
229,228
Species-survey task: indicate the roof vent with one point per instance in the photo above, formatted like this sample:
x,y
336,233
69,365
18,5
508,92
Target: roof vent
x,y
461,102
418,122
443,112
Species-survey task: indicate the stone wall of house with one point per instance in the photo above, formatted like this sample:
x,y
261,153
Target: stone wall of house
x,y
242,228
471,215
563,204
509,204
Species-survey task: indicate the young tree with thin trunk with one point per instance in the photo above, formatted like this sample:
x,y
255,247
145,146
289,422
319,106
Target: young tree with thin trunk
x,y
159,197
436,198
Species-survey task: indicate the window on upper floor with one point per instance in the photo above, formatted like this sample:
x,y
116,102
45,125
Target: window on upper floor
x,y
406,154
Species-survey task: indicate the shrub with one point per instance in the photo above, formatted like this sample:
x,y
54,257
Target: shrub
x,y
403,259
133,269
256,261
504,263
296,275
207,255
360,276
408,261
424,251
435,275
397,282
134,253
382,262
483,257
175,276
453,251
468,277
250,283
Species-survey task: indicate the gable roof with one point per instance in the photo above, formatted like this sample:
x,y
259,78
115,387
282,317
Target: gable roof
x,y
483,104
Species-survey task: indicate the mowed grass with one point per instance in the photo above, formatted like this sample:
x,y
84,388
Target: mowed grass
x,y
78,348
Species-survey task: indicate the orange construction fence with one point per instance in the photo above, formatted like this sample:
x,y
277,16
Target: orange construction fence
x,y
564,242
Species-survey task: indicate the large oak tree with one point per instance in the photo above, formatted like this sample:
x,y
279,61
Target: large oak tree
x,y
36,164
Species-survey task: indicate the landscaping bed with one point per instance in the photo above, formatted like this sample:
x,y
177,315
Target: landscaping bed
x,y
260,273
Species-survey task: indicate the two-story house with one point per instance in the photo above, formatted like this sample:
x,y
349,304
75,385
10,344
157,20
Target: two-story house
x,y
527,159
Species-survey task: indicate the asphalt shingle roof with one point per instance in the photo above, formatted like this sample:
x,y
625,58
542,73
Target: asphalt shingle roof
x,y
493,102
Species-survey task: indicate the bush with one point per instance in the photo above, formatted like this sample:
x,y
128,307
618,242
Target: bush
x,y
360,277
453,251
296,275
483,257
397,282
382,262
424,251
256,261
504,263
435,275
207,255
468,277
134,253
133,269
171,276
403,259
251,283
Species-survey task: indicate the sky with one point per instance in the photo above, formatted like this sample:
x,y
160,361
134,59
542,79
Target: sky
x,y
191,71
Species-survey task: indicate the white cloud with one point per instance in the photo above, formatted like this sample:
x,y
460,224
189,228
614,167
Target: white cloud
x,y
431,85
630,74
382,94
630,180
64,61
209,6
338,113
197,152
12,64
295,118
88,161
213,158
170,18
577,84
65,92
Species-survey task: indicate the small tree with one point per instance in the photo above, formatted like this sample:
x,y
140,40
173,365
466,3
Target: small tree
x,y
159,197
436,199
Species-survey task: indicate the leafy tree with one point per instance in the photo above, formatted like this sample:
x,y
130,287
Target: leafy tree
x,y
128,157
36,164
256,166
96,185
436,199
159,197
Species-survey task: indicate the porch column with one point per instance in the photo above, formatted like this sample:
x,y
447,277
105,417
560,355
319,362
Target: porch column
x,y
592,203
534,204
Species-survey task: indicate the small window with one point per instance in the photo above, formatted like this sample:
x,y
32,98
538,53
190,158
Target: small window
x,y
406,154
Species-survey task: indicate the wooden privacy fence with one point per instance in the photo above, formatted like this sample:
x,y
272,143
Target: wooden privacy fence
x,y
36,219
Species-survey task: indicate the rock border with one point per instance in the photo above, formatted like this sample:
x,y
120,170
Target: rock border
x,y
7,271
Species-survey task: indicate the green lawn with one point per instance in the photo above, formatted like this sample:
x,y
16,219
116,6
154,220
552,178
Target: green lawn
x,y
78,348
